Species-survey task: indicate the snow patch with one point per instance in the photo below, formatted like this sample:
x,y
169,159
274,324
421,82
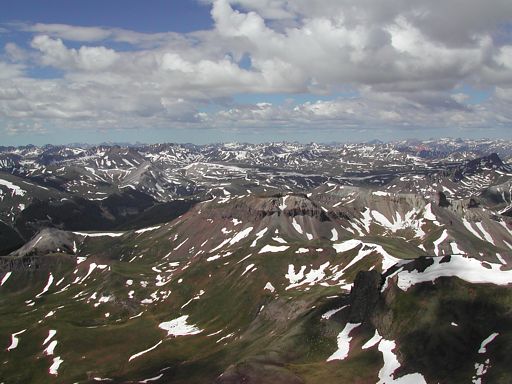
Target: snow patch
x,y
343,340
327,315
279,240
51,333
334,236
148,229
269,287
486,234
273,248
311,278
429,215
145,351
5,278
376,338
282,206
54,368
438,242
456,250
346,245
156,378
15,340
399,223
501,259
259,235
241,235
100,234
50,349
247,269
48,284
367,248
469,227
488,340
179,327
297,226
391,364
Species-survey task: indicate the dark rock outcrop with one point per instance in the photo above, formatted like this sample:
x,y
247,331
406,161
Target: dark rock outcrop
x,y
364,296
442,200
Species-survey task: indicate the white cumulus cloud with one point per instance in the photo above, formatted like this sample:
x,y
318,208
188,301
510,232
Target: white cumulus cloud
x,y
405,63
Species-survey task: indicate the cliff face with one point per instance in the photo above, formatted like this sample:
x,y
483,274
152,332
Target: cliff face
x,y
364,296
254,207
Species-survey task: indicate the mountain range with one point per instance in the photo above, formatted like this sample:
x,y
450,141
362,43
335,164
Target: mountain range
x,y
257,263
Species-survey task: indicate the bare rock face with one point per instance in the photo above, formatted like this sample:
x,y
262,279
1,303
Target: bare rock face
x,y
442,200
364,296
287,205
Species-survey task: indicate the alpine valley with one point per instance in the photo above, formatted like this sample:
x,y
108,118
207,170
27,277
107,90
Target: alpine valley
x,y
257,263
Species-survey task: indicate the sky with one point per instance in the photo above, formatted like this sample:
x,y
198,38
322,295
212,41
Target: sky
x,y
203,71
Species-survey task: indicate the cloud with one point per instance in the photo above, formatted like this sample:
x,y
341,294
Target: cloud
x,y
369,111
69,32
268,9
54,53
99,34
10,71
451,22
25,127
404,62
14,53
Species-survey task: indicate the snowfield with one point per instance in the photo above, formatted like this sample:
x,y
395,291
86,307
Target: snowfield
x,y
465,268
